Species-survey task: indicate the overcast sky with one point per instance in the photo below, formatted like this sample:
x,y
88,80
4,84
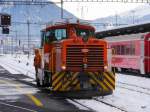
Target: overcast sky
x,y
90,11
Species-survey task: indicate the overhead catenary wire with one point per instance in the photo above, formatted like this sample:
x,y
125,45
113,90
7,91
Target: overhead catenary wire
x,y
120,1
27,2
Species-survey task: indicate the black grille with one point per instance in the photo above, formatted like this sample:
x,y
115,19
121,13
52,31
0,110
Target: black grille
x,y
95,57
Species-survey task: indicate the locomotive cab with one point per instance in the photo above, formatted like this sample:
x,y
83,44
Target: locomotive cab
x,y
74,60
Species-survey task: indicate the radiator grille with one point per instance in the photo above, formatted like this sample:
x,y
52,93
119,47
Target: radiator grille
x,y
95,57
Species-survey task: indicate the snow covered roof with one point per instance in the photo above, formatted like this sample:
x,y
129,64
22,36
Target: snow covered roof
x,y
130,29
125,37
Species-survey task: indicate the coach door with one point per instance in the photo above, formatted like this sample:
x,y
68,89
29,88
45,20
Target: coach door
x,y
147,55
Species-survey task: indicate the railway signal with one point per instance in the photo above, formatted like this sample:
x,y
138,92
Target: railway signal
x,y
5,20
5,30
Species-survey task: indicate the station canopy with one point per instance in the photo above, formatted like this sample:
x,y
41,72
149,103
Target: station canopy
x,y
132,29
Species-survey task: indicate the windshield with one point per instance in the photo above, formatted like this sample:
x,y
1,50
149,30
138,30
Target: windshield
x,y
53,35
84,33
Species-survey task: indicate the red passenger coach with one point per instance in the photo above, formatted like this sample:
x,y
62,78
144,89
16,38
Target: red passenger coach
x,y
131,53
131,48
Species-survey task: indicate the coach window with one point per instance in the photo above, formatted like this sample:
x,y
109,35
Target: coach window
x,y
132,49
128,50
122,50
118,50
60,34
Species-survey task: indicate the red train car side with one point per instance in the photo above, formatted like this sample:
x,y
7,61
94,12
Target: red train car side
x,y
131,52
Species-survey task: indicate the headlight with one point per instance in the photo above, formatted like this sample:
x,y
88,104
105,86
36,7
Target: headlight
x,y
105,67
63,67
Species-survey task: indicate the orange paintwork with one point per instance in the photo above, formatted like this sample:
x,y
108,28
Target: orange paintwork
x,y
78,41
72,39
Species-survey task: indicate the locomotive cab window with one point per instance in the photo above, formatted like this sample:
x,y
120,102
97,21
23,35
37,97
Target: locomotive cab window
x,y
60,34
84,33
52,35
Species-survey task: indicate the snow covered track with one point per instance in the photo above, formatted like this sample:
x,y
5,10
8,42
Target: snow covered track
x,y
82,105
134,88
111,105
95,105
134,85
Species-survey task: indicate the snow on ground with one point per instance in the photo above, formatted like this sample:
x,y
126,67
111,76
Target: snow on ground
x,y
131,101
18,64
141,81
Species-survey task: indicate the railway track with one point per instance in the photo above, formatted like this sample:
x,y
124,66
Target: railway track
x,y
133,87
110,105
90,109
100,102
76,102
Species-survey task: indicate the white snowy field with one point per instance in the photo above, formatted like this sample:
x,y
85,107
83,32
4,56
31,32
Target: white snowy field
x,y
132,93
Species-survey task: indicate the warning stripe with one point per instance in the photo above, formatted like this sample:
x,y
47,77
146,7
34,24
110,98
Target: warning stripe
x,y
58,86
75,83
69,82
112,75
97,81
112,78
104,81
92,81
54,76
108,84
109,80
77,86
58,79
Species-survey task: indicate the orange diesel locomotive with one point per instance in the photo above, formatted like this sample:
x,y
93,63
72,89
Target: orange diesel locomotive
x,y
74,60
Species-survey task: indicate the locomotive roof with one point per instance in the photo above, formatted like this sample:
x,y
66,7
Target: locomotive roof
x,y
65,25
130,29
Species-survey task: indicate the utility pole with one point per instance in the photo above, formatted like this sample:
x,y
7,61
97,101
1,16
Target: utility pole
x,y
62,12
133,14
116,20
28,24
13,41
16,46
82,13
16,39
12,49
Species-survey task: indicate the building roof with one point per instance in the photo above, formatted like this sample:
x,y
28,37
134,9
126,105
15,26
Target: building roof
x,y
130,29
